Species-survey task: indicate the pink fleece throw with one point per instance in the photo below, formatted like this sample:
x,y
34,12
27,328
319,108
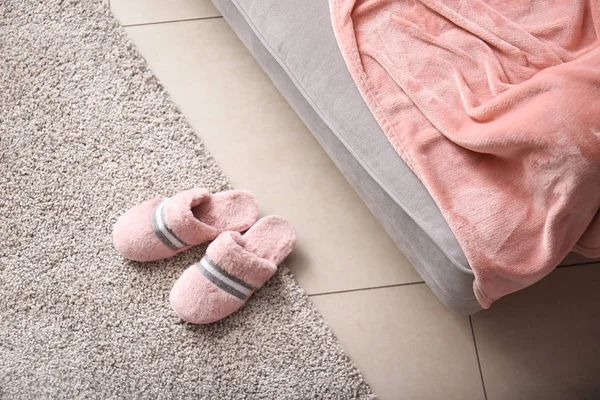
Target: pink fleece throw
x,y
495,105
233,268
162,227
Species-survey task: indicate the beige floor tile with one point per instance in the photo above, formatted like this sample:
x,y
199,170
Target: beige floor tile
x,y
262,145
131,12
406,343
544,342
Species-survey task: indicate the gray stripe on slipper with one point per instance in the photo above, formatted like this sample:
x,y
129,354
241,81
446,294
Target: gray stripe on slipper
x,y
227,274
162,230
222,279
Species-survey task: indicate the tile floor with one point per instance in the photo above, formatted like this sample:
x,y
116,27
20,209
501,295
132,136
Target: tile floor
x,y
542,343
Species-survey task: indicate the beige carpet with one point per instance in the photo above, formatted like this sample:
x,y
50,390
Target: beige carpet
x,y
86,131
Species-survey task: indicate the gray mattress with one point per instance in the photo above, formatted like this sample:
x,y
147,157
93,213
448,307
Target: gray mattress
x,y
294,43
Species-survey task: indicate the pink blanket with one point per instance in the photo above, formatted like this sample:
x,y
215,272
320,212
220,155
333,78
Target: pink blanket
x,y
495,105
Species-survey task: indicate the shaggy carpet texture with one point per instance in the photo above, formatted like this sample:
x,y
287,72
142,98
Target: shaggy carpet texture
x,y
86,131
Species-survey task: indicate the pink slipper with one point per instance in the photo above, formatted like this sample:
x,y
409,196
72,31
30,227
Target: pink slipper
x,y
162,227
233,268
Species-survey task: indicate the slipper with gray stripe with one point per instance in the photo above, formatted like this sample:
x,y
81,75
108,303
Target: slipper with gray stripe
x,y
234,267
162,227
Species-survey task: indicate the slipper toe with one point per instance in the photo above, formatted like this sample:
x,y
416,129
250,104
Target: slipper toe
x,y
134,238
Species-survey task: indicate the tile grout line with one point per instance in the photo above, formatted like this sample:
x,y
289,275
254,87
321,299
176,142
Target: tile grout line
x,y
364,289
417,283
478,361
579,264
171,21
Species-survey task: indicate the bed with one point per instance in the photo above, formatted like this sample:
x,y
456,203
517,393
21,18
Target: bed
x,y
295,45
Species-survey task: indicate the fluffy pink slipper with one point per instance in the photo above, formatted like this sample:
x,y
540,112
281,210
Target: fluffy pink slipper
x,y
232,269
160,228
